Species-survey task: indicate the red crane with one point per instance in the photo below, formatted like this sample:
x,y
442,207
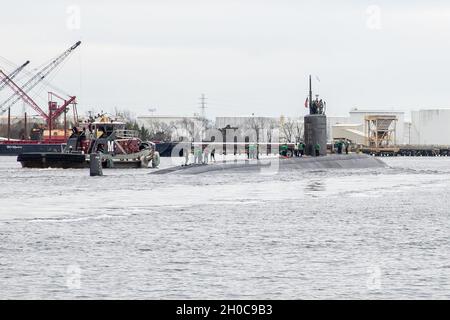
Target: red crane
x,y
21,93
38,77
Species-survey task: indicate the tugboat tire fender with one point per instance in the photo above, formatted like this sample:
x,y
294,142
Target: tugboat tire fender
x,y
108,162
144,161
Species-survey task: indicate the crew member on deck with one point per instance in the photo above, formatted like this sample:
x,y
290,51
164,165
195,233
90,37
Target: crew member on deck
x,y
301,149
317,149
205,155
186,156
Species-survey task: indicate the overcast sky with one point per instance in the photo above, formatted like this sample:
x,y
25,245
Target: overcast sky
x,y
246,56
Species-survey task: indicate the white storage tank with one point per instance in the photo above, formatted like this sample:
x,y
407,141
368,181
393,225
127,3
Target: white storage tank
x,y
430,127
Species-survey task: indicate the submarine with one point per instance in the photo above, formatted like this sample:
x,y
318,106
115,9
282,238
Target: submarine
x,y
315,150
278,165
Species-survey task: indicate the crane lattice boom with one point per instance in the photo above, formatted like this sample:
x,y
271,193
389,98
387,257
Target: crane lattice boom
x,y
13,74
23,95
38,77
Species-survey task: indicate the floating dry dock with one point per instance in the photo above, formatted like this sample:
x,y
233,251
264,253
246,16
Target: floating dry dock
x,y
351,161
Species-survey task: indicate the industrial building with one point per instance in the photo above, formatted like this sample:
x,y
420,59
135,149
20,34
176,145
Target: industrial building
x,y
360,123
358,116
333,121
426,127
349,131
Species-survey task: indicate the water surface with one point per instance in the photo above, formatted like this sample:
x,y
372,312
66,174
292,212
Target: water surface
x,y
334,234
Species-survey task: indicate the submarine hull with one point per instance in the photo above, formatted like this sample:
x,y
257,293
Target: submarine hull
x,y
273,166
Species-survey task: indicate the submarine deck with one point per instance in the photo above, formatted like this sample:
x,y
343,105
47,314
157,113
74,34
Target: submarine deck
x,y
350,161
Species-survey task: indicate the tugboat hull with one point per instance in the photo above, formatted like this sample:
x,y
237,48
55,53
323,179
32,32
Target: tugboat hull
x,y
72,161
53,160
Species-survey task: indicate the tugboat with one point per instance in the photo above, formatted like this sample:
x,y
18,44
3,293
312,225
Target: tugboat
x,y
118,148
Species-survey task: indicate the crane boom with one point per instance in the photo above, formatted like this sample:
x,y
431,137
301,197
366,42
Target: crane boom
x,y
38,77
59,110
13,74
23,96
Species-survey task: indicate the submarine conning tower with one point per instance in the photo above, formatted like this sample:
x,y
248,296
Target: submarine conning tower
x,y
315,126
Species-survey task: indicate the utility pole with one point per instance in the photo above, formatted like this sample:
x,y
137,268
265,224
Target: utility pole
x,y
203,105
65,124
25,126
9,124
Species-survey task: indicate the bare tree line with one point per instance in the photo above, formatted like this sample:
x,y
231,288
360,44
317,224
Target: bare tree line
x,y
186,128
287,130
290,129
